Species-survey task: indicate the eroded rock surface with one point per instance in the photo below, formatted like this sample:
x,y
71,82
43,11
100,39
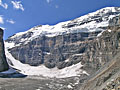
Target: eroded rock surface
x,y
3,63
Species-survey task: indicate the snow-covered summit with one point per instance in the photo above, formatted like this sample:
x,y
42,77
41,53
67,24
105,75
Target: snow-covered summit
x,y
91,22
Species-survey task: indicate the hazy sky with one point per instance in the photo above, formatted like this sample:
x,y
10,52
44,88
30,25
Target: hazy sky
x,y
21,15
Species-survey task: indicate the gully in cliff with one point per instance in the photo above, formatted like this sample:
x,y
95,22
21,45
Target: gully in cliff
x,y
3,62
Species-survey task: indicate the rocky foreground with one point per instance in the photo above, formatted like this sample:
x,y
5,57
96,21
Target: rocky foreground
x,y
39,83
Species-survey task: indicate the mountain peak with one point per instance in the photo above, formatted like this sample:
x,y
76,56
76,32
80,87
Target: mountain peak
x,y
91,22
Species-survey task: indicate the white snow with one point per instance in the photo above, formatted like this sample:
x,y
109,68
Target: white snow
x,y
78,54
46,53
60,29
111,16
67,60
100,34
54,30
69,86
10,44
26,69
38,89
109,30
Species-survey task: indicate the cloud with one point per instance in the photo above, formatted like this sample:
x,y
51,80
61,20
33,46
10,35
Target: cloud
x,y
3,5
1,20
56,6
48,1
10,21
17,5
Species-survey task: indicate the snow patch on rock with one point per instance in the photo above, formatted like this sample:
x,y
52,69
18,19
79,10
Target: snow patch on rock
x,y
86,23
69,86
74,70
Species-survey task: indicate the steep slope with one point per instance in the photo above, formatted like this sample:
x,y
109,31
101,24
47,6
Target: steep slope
x,y
85,41
41,70
108,76
86,48
91,22
3,62
105,78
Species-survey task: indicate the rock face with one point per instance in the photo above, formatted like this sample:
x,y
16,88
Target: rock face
x,y
79,40
107,77
60,51
68,43
3,63
115,21
93,40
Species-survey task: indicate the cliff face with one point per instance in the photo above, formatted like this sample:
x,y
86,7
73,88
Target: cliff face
x,y
108,76
96,46
3,63
60,51
63,51
80,40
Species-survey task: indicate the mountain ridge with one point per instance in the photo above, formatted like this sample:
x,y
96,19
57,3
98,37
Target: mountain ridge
x,y
87,54
84,45
81,24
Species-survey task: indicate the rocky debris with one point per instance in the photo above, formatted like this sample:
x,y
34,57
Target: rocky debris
x,y
103,77
113,84
107,77
3,63
39,83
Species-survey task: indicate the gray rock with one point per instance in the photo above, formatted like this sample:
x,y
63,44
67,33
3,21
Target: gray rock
x,y
3,63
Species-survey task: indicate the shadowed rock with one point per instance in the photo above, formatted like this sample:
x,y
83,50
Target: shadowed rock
x,y
3,63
